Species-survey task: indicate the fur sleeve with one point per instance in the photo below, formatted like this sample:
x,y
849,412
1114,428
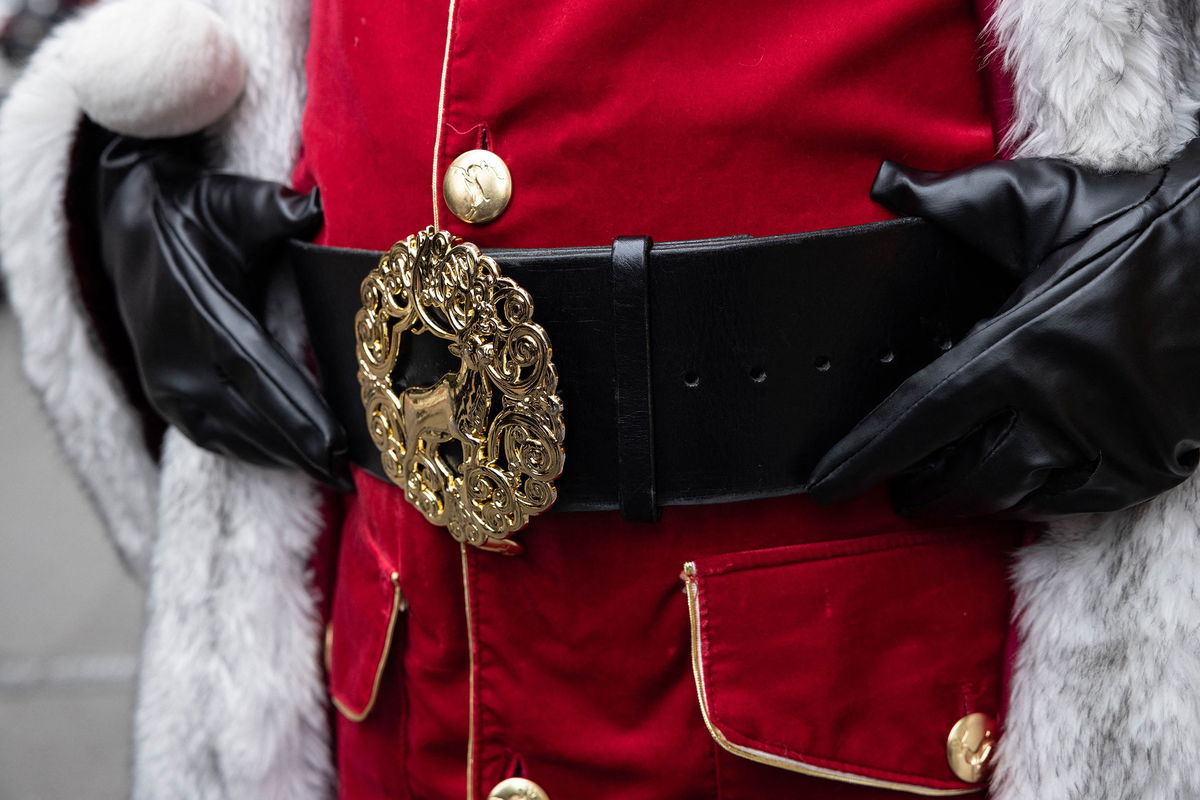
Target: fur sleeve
x,y
143,68
230,702
1103,704
96,426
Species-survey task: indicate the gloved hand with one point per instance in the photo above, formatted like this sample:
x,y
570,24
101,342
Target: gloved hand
x,y
1083,392
188,251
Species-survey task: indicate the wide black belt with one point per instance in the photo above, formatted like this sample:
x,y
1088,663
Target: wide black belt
x,y
700,371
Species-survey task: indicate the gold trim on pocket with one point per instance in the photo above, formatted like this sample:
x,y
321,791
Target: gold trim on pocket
x,y
398,605
770,759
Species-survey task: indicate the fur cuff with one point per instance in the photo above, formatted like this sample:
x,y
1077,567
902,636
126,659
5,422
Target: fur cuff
x,y
155,68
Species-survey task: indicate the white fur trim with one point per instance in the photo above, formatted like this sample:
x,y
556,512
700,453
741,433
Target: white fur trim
x,y
1101,83
154,68
233,637
231,702
1104,702
100,433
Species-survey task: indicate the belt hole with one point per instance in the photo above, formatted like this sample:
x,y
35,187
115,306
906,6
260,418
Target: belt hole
x,y
822,363
691,379
758,374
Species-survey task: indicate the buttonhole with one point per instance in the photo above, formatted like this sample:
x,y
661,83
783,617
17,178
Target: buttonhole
x,y
691,379
886,356
822,363
758,374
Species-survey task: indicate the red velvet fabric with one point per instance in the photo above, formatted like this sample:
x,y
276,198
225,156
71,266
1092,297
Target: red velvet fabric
x,y
571,663
883,643
670,119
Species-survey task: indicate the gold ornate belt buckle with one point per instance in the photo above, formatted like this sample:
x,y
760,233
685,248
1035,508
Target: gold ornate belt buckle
x,y
500,406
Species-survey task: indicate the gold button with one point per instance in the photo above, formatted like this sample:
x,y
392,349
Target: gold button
x,y
518,789
477,186
970,746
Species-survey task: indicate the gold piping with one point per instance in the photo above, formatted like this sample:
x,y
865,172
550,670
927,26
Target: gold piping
x,y
770,759
441,110
397,606
329,649
470,677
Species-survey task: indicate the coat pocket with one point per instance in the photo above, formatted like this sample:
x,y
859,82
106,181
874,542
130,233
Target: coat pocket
x,y
367,610
853,660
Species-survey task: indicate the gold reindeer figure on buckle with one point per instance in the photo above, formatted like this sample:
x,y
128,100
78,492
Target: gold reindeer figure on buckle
x,y
500,406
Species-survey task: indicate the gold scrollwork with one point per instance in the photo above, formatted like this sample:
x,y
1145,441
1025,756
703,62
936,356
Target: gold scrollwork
x,y
500,406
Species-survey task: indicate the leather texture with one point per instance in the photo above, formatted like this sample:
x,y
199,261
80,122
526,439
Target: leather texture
x,y
636,486
763,350
189,252
1082,393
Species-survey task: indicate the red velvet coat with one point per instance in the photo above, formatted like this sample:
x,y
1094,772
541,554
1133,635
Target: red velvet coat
x,y
816,652
804,651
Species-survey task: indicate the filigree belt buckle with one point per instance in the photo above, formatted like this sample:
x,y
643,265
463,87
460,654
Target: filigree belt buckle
x,y
500,406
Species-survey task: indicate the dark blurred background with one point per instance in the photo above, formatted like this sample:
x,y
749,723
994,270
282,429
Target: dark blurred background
x,y
69,616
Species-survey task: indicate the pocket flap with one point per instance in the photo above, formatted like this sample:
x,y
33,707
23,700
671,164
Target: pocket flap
x,y
853,660
367,606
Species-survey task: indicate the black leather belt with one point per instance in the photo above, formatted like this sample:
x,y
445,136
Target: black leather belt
x,y
695,372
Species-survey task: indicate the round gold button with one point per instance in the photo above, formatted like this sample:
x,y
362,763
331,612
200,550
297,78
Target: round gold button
x,y
477,186
518,789
970,745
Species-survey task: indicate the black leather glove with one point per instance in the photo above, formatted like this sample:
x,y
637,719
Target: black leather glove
x,y
188,251
1083,392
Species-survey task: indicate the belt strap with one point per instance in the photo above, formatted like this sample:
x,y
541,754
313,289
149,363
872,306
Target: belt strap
x,y
631,367
701,371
